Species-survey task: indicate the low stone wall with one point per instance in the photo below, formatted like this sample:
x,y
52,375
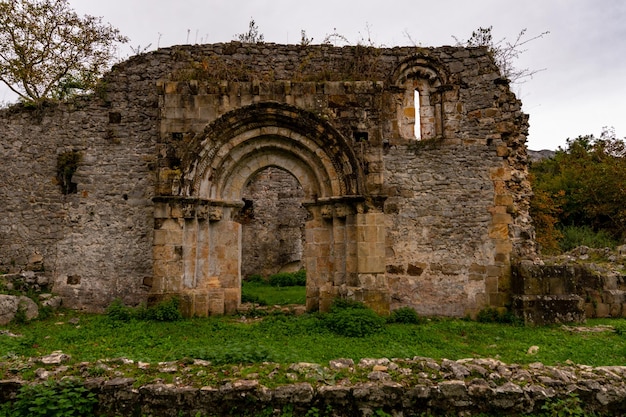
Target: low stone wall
x,y
408,387
571,287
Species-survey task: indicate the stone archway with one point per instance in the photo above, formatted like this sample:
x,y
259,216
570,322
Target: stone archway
x,y
197,240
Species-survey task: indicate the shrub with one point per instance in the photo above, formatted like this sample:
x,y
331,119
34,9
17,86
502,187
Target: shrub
x,y
288,279
52,399
256,278
164,311
117,311
574,236
352,319
497,315
251,298
404,315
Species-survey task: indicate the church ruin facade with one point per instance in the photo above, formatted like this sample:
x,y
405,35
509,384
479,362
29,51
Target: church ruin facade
x,y
407,167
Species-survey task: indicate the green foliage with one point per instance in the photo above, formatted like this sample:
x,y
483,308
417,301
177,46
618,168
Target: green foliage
x,y
574,236
352,319
288,279
48,51
582,187
256,278
497,315
232,354
20,314
164,311
117,311
564,407
51,399
405,315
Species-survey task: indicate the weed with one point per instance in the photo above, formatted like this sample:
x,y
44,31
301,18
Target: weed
x,y
497,315
405,315
564,407
55,399
167,310
574,236
353,320
20,314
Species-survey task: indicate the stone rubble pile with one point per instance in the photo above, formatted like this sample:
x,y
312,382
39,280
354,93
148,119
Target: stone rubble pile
x,y
401,387
25,282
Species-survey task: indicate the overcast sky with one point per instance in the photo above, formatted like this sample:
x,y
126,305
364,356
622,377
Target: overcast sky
x,y
581,90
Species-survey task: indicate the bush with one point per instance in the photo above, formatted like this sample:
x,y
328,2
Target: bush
x,y
54,399
574,236
164,311
497,315
256,278
352,319
288,279
117,311
405,315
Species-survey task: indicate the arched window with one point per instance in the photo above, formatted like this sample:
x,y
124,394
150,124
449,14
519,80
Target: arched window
x,y
417,125
420,108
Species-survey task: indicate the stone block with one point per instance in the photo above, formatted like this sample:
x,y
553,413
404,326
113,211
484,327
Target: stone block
x,y
603,310
549,309
615,310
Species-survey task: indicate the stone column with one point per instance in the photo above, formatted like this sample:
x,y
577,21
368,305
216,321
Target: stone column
x,y
318,234
197,255
167,252
345,254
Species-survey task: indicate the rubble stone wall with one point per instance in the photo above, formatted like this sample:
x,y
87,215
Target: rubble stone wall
x,y
455,201
410,387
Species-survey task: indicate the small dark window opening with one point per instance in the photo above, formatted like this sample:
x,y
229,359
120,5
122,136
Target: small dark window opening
x,y
115,117
361,136
67,164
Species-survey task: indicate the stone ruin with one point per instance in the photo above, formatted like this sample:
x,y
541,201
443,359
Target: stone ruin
x,y
394,176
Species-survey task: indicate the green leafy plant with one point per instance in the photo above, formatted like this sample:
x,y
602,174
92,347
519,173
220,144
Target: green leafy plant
x,y
405,315
51,399
352,319
167,310
288,279
574,236
497,315
570,406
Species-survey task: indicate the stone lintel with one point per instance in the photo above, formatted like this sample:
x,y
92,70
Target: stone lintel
x,y
344,206
189,208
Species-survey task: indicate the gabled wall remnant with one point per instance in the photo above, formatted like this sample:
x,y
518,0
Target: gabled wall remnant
x,y
169,144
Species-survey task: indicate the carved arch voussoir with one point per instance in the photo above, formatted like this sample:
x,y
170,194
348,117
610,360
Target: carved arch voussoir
x,y
304,135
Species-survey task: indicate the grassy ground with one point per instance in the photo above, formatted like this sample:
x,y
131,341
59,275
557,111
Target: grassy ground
x,y
287,339
274,295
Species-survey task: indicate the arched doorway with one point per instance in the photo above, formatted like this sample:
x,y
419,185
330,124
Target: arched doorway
x,y
197,241
273,223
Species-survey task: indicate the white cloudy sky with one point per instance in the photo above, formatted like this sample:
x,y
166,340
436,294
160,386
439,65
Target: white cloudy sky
x,y
582,89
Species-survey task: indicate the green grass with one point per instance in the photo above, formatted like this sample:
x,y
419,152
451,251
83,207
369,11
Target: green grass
x,y
287,339
270,295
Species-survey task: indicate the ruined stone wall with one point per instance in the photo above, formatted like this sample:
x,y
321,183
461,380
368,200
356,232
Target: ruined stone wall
x,y
94,243
273,224
456,210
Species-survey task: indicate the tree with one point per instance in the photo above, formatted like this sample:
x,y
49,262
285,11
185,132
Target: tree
x,y
48,51
584,185
504,52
